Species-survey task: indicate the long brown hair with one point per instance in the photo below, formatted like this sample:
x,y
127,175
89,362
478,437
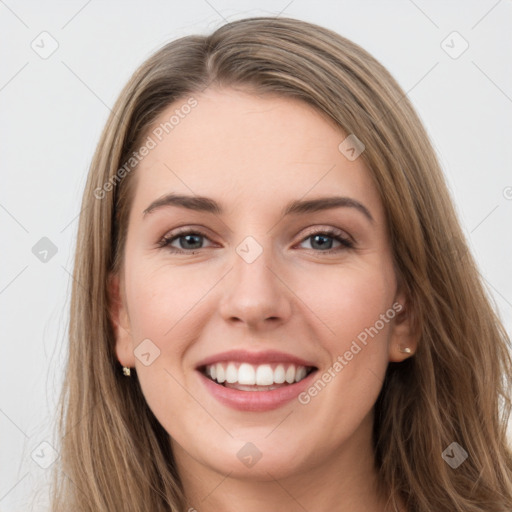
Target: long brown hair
x,y
456,388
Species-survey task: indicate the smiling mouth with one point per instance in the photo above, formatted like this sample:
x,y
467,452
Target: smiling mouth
x,y
250,377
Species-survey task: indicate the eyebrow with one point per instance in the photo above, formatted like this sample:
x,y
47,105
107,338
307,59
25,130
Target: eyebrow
x,y
296,207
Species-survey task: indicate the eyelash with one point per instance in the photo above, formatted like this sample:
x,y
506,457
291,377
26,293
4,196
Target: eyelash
x,y
329,232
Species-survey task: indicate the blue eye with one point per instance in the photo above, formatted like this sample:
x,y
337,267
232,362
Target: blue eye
x,y
190,241
321,239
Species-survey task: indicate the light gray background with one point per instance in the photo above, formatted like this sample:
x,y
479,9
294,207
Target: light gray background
x,y
53,110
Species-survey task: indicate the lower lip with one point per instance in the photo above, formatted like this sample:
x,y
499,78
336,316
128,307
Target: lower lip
x,y
256,401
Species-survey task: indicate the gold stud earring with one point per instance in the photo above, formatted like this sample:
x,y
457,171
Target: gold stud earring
x,y
126,371
406,350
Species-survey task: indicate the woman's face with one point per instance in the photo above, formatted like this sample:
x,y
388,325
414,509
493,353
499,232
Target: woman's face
x,y
257,273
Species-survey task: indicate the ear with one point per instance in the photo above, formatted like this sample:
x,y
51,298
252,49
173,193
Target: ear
x,y
403,335
120,321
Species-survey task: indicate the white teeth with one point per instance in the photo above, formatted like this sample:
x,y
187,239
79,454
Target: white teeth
x,y
300,373
290,375
264,375
231,373
221,375
246,374
279,374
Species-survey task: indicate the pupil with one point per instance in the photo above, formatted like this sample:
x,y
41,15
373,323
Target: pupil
x,y
322,245
188,238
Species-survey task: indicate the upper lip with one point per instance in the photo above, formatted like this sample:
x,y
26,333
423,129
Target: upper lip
x,y
261,357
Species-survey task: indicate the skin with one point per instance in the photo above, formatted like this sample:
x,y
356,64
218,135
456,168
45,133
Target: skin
x,y
254,154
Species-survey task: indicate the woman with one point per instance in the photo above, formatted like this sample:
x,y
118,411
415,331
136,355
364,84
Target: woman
x,y
324,343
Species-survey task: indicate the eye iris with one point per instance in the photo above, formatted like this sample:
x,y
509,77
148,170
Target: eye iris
x,y
322,245
188,238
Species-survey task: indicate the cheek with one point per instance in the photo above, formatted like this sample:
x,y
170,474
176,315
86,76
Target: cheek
x,y
347,300
356,306
164,304
164,300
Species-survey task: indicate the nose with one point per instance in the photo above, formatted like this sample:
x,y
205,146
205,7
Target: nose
x,y
255,294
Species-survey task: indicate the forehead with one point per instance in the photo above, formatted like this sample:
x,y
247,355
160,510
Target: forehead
x,y
239,147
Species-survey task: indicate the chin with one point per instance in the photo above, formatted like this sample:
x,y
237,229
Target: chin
x,y
259,460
